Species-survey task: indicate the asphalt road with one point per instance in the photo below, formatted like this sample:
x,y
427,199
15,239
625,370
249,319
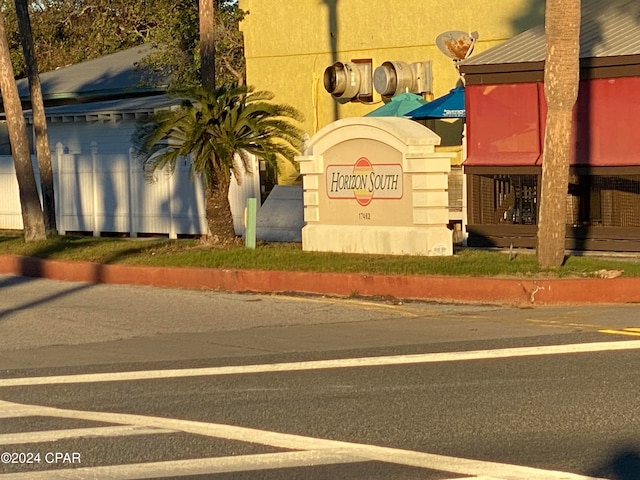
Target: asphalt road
x,y
129,382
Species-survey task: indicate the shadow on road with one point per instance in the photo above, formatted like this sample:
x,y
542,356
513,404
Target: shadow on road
x,y
15,281
32,268
623,465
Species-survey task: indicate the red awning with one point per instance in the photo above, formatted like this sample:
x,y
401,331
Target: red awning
x,y
606,122
503,125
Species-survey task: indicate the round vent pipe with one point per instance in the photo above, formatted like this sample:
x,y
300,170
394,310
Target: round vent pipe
x,y
392,78
342,80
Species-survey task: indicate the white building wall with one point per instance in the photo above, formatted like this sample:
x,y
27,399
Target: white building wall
x,y
113,135
100,187
10,213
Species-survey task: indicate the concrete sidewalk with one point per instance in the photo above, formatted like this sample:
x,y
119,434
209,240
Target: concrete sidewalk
x,y
503,291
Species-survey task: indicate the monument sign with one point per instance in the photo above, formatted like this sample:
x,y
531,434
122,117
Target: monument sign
x,y
376,185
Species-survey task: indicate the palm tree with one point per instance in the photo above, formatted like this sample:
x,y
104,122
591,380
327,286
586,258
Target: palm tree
x,y
207,17
561,78
214,128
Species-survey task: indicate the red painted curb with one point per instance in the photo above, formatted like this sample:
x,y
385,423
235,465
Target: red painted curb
x,y
512,291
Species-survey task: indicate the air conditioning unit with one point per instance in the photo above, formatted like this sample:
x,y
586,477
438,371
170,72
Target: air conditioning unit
x,y
349,80
394,77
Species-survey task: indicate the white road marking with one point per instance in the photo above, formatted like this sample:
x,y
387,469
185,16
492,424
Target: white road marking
x,y
197,466
474,478
13,410
55,435
328,364
331,451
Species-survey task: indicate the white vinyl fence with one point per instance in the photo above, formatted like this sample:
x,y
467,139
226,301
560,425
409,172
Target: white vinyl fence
x,y
109,194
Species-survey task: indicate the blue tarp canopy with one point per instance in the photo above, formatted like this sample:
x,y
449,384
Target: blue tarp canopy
x,y
399,106
450,105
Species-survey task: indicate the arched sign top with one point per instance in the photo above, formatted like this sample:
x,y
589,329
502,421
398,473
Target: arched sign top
x,y
397,130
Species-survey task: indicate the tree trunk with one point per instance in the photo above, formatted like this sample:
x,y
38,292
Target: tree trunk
x,y
218,212
39,120
561,80
29,200
207,44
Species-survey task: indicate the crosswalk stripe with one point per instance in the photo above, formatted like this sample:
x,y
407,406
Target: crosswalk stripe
x,y
348,452
197,466
55,435
14,410
483,477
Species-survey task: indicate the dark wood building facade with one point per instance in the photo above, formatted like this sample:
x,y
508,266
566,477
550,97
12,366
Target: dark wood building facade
x,y
506,114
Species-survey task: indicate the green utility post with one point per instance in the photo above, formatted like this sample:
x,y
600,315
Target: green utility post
x,y
250,223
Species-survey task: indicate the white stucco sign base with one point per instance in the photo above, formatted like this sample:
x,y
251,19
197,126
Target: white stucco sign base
x,y
376,185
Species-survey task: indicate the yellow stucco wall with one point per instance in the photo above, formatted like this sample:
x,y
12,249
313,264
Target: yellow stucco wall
x,y
289,43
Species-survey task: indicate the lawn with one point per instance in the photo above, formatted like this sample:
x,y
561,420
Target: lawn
x,y
289,256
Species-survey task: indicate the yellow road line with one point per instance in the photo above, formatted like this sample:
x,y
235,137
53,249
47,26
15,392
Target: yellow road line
x,y
634,332
363,304
563,324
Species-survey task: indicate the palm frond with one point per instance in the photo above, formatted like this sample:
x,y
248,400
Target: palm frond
x,y
216,127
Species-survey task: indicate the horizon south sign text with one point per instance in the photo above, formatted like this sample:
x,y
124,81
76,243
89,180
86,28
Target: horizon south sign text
x,y
364,182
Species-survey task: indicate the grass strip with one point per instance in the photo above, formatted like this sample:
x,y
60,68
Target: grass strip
x,y
291,257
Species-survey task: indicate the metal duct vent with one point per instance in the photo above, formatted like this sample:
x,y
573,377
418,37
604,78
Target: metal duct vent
x,y
394,77
349,80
